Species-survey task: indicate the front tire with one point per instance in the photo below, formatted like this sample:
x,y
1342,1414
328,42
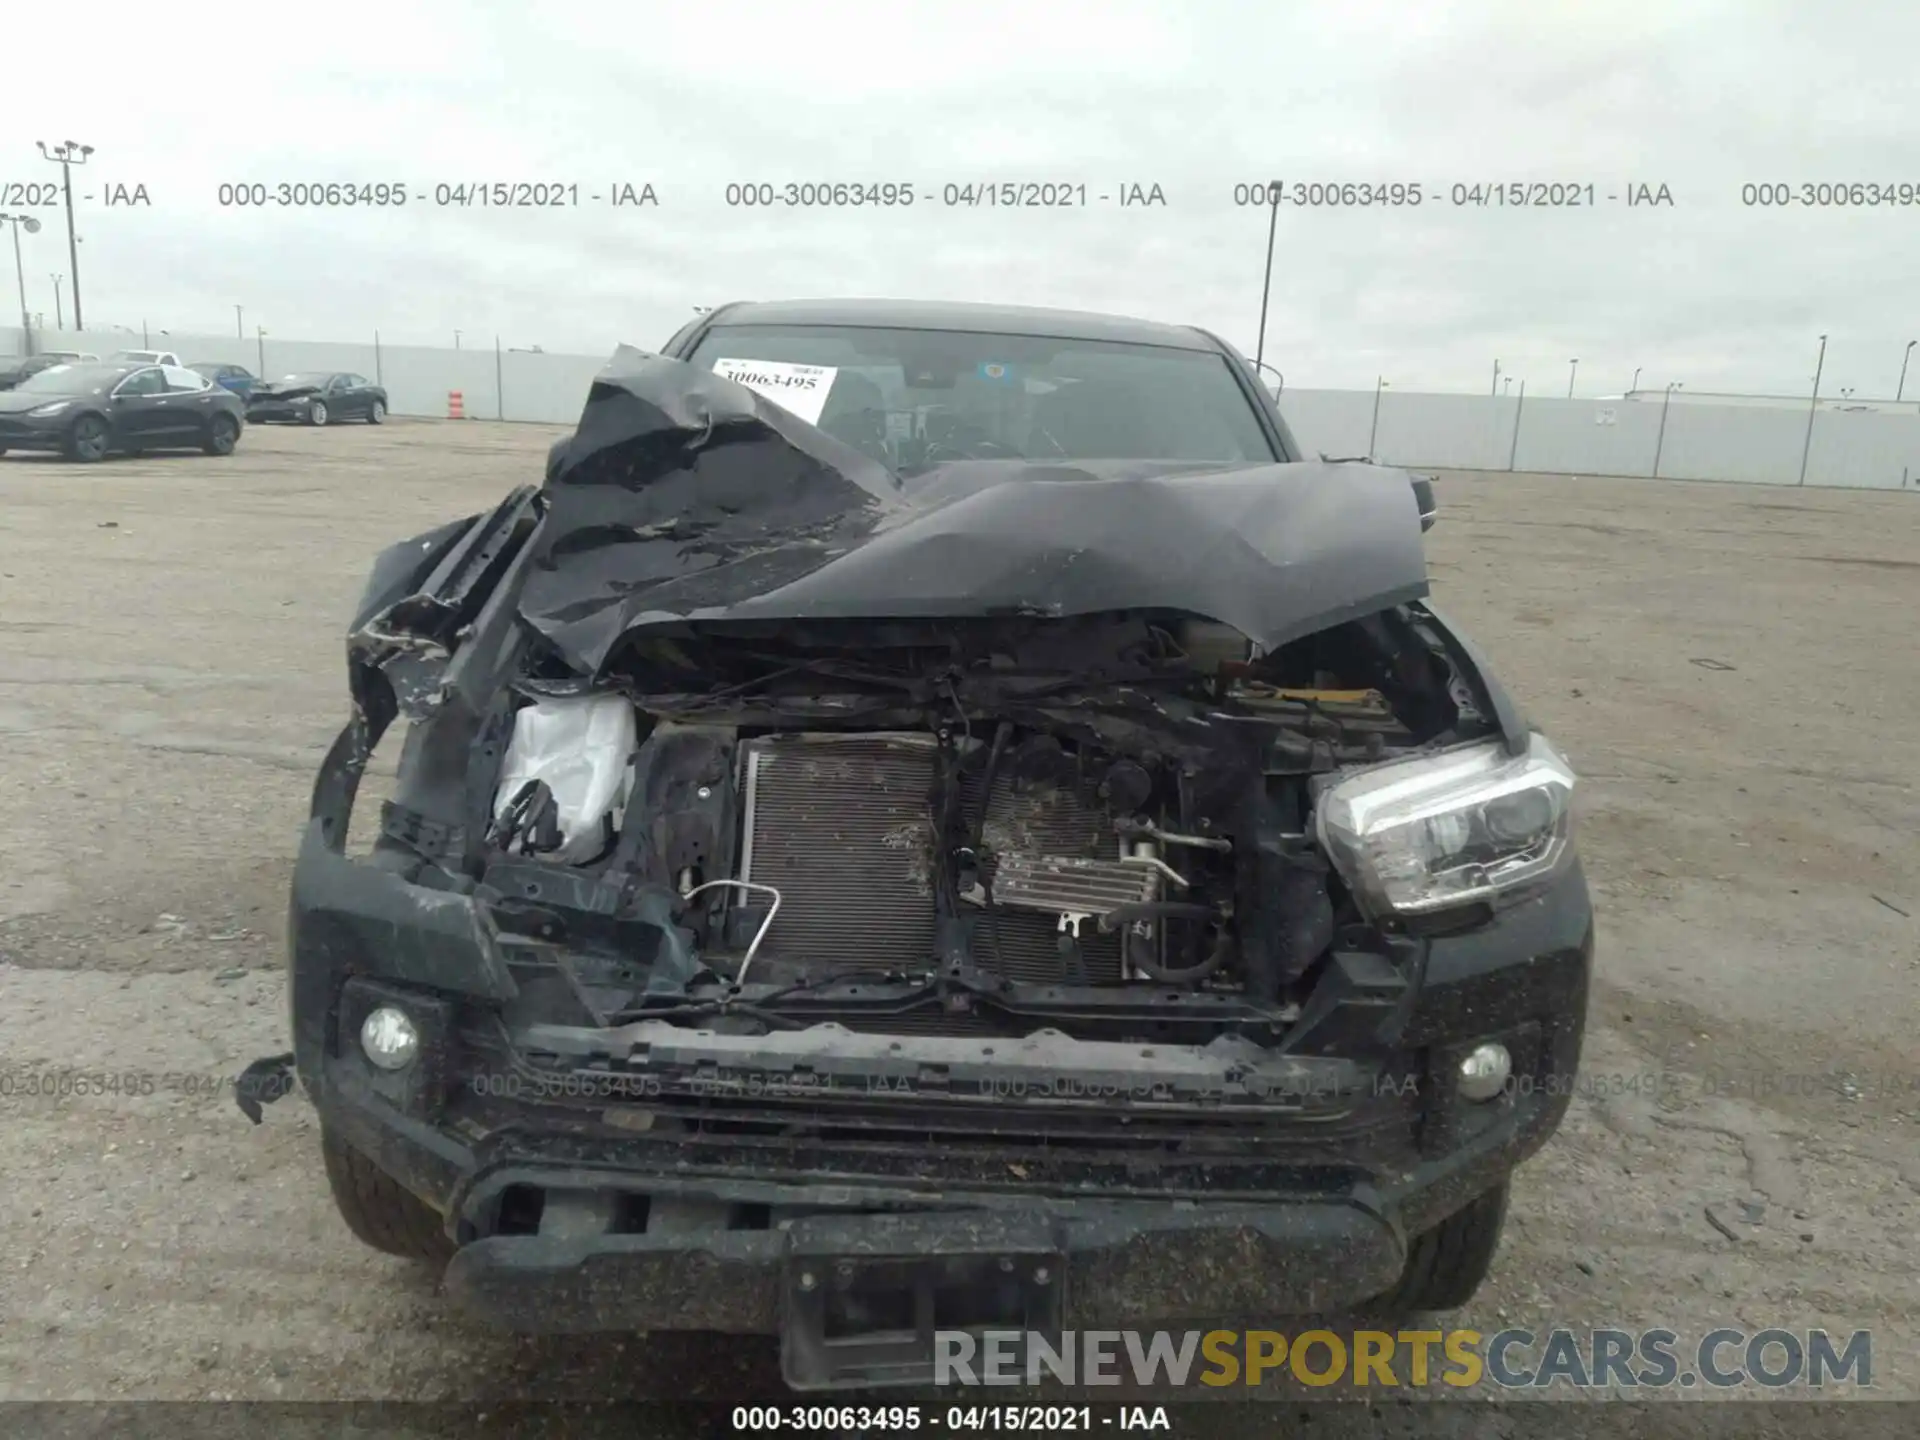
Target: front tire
x,y
1446,1264
87,440
317,413
376,412
223,433
378,1209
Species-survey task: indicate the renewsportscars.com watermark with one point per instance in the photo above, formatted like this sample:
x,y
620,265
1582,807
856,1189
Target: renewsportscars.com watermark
x,y
1509,1359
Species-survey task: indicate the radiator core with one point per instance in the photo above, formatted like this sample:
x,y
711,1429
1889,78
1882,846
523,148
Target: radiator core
x,y
841,825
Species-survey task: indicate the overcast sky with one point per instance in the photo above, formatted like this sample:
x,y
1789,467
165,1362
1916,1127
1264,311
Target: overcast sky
x,y
1194,97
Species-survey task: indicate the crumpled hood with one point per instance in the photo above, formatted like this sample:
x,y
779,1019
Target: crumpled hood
x,y
686,499
265,390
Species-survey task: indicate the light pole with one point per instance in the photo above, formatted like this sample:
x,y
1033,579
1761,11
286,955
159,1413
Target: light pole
x,y
68,155
1514,453
1813,406
1636,380
32,227
1496,379
1662,440
260,339
59,315
239,329
1510,385
456,339
1573,365
1266,281
1905,355
1375,430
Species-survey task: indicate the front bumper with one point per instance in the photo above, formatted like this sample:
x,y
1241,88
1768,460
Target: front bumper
x,y
259,410
17,432
589,1218
1094,1266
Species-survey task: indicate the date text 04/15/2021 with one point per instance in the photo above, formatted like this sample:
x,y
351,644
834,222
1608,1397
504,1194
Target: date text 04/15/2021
x,y
60,1086
455,194
114,194
973,194
1458,195
961,1419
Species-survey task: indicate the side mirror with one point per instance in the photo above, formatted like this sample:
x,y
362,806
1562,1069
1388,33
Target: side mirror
x,y
1423,497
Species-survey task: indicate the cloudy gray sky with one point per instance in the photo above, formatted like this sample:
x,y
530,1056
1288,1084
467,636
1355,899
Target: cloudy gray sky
x,y
1702,96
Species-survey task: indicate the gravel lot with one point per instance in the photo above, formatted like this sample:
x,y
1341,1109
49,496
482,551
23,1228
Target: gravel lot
x,y
1732,669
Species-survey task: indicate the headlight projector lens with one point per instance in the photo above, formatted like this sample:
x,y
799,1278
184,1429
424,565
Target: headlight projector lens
x,y
1519,818
1442,830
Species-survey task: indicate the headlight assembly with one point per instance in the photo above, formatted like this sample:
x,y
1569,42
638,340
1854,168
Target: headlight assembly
x,y
52,407
1413,836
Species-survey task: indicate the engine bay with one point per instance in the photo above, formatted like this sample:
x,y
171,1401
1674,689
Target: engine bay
x,y
900,825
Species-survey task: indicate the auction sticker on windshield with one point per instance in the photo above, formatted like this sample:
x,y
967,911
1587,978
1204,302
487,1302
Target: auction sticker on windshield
x,y
799,388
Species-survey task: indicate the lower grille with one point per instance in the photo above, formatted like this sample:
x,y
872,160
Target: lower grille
x,y
841,826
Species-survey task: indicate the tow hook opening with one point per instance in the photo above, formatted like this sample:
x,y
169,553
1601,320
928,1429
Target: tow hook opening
x,y
525,1208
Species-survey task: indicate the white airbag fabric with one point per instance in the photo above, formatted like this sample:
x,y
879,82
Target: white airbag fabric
x,y
582,747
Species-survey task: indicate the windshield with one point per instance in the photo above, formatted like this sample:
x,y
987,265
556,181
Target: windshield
x,y
136,354
912,399
71,379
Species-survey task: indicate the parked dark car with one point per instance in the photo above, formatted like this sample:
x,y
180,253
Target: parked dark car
x,y
236,378
87,412
14,369
318,397
933,817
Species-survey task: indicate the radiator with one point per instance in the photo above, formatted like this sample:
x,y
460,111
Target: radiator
x,y
841,826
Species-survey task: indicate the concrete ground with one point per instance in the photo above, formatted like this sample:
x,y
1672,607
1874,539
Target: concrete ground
x,y
1732,670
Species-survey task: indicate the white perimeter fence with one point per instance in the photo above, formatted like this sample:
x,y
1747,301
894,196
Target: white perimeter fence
x,y
1690,440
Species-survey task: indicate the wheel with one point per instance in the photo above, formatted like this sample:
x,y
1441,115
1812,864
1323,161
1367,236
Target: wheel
x,y
1447,1263
87,439
378,1209
376,412
317,413
223,433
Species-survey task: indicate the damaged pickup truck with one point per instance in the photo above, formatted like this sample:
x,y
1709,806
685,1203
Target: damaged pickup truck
x,y
987,839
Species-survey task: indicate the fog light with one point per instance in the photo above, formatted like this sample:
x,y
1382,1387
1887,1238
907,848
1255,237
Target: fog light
x,y
391,1040
1484,1073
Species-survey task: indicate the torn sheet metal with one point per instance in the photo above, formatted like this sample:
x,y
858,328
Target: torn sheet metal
x,y
685,498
